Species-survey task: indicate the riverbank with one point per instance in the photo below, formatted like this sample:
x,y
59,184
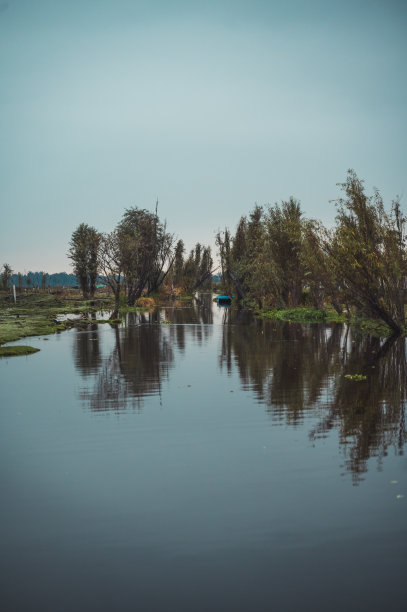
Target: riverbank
x,y
36,314
312,315
39,314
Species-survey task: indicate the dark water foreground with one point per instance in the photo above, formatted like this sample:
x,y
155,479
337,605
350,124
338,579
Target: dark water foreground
x,y
212,463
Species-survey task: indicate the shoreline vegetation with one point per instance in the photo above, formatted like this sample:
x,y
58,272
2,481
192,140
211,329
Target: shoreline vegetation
x,y
39,314
278,264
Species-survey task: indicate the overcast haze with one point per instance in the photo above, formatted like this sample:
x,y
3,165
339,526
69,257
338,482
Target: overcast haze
x,y
209,106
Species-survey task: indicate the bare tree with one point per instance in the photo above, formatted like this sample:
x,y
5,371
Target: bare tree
x,y
111,265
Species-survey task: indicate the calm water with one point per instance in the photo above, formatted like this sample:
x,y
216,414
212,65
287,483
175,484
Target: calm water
x,y
197,459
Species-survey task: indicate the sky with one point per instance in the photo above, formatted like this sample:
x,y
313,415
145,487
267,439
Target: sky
x,y
209,106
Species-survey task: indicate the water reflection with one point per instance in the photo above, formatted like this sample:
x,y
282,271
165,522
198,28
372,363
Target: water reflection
x,y
296,371
299,371
371,414
142,354
87,355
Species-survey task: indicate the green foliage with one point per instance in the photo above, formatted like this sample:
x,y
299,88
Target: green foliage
x,y
284,246
145,249
6,275
276,255
367,251
197,269
83,251
178,265
298,315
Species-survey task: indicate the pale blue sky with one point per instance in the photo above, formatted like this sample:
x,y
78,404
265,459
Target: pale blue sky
x,y
211,106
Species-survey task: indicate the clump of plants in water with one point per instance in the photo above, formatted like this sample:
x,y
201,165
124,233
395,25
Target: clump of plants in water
x,y
299,315
356,377
15,351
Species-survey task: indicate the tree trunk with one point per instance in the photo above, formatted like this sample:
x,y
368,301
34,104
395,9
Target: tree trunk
x,y
238,286
115,312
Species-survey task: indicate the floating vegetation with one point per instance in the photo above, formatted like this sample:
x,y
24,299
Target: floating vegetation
x,y
298,315
356,377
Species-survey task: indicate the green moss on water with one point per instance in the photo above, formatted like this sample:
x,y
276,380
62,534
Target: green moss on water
x,y
15,351
356,377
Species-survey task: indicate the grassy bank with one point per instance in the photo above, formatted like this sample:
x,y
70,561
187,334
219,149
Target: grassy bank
x,y
312,315
35,314
15,351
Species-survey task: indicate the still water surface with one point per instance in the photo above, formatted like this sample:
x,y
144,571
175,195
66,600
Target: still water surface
x,y
198,459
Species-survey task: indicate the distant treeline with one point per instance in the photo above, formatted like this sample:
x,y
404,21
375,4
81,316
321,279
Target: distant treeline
x,y
42,279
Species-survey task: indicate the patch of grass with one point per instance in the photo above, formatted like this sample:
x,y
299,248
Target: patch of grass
x,y
311,315
35,314
15,351
12,328
185,298
296,315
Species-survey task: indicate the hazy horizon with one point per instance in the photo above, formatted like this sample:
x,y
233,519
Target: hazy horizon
x,y
209,106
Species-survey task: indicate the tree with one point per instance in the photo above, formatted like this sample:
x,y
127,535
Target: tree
x,y
284,240
6,275
197,270
44,280
111,266
368,253
146,251
230,276
83,252
319,273
178,266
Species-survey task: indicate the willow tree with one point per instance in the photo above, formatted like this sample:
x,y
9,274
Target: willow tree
x,y
83,251
178,265
319,274
284,225
197,270
368,253
146,251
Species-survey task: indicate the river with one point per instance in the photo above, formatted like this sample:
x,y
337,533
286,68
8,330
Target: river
x,y
196,458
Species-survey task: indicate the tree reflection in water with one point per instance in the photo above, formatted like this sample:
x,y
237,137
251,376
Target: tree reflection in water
x,y
299,371
296,371
142,355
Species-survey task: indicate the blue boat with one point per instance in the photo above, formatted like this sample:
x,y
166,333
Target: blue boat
x,y
223,300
